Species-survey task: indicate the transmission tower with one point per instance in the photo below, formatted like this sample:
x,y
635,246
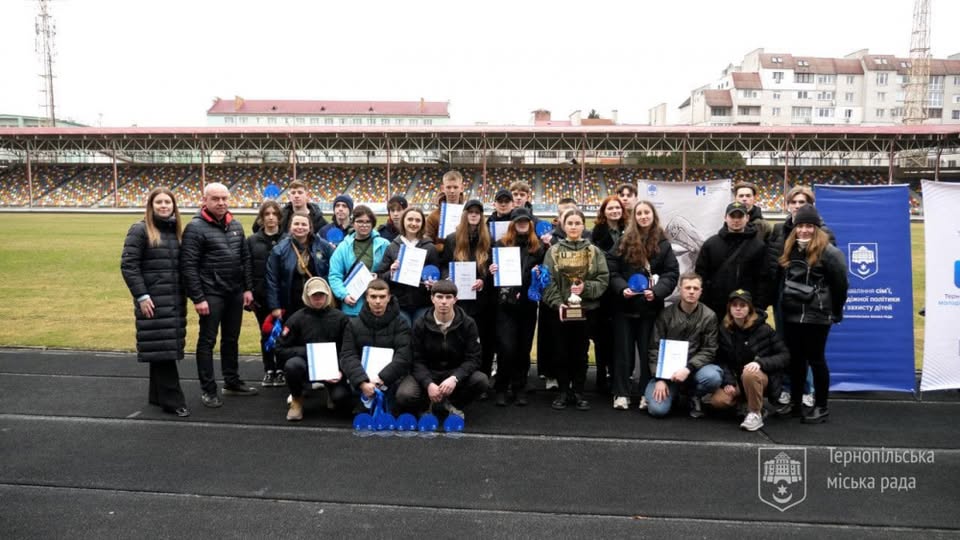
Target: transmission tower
x,y
46,32
915,103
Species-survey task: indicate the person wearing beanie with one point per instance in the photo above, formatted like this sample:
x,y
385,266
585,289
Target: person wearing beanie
x,y
814,290
342,208
395,207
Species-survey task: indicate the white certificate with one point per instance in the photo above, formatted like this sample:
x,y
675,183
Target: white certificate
x,y
411,261
509,267
464,274
375,359
449,218
357,281
498,229
322,361
672,357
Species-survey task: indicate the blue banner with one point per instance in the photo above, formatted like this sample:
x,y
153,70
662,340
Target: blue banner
x,y
872,349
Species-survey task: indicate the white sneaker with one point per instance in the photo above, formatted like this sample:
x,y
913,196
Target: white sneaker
x,y
621,403
551,384
784,398
643,403
808,400
752,422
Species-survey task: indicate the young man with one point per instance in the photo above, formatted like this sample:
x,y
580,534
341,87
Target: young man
x,y
395,207
317,322
342,208
299,202
218,278
746,194
378,325
691,321
734,258
446,357
503,204
627,194
451,190
522,195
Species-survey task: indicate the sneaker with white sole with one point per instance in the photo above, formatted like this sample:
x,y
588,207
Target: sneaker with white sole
x,y
551,384
784,398
621,403
643,403
752,422
808,400
268,379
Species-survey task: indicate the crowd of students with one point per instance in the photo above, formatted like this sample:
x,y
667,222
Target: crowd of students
x,y
607,285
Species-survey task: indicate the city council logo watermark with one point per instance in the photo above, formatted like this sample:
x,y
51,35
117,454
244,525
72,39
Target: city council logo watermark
x,y
864,261
782,476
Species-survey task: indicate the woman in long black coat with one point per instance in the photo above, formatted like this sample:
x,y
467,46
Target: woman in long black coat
x,y
150,265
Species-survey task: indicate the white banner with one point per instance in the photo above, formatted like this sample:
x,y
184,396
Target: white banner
x,y
690,212
941,231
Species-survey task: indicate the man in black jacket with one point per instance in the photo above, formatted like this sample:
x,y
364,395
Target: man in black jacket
x,y
378,325
217,274
446,357
299,202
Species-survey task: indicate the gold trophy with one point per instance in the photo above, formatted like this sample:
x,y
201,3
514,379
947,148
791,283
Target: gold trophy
x,y
573,265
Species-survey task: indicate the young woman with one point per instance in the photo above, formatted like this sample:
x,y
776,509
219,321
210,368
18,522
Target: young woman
x,y
752,357
814,285
471,242
259,245
606,234
150,264
298,257
414,301
364,245
516,315
565,259
643,250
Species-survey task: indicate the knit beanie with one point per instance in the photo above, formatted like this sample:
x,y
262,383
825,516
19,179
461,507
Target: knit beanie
x,y
807,214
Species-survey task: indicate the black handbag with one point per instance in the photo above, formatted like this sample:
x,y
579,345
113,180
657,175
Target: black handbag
x,y
798,292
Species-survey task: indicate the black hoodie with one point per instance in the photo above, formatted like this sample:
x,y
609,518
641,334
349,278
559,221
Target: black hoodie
x,y
389,331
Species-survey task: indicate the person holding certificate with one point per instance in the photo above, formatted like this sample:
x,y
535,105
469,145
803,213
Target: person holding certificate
x,y
298,257
692,325
644,252
451,191
471,243
413,300
516,318
579,278
361,247
318,323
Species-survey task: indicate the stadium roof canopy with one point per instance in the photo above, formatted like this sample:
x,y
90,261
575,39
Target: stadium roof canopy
x,y
756,139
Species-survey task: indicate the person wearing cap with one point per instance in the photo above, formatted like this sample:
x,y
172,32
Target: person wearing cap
x,y
752,358
299,201
516,315
395,207
502,206
472,242
413,301
746,194
691,321
342,209
814,291
734,258
298,257
445,346
451,191
317,322
362,246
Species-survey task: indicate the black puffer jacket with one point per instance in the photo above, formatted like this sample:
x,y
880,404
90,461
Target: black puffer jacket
x,y
155,270
758,342
309,325
829,280
605,237
389,332
407,297
663,264
214,258
456,352
259,245
748,270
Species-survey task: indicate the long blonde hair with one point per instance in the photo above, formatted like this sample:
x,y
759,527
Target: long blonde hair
x,y
153,233
817,244
461,250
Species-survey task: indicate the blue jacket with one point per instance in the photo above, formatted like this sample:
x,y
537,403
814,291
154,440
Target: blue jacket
x,y
342,262
282,263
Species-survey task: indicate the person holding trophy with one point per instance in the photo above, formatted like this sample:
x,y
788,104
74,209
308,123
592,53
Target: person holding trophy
x,y
579,277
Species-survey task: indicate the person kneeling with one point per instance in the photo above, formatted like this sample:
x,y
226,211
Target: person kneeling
x,y
752,358
691,321
317,322
446,356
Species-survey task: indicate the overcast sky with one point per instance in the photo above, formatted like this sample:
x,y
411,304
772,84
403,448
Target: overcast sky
x,y
160,63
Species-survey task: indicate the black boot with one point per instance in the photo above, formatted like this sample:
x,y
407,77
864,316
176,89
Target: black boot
x,y
817,415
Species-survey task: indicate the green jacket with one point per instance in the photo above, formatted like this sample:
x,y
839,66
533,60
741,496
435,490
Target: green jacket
x,y
595,280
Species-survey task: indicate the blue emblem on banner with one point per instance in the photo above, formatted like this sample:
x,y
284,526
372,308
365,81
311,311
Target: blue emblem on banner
x,y
701,190
651,190
864,259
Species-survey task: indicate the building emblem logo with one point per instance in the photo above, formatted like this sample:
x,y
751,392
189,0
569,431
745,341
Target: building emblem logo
x,y
651,190
782,476
864,259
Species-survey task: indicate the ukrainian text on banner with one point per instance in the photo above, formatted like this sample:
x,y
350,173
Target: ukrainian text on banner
x,y
872,349
941,339
690,212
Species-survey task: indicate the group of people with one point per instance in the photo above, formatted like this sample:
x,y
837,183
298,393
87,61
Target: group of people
x,y
608,285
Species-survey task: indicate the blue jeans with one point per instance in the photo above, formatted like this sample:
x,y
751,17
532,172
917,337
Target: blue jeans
x,y
707,379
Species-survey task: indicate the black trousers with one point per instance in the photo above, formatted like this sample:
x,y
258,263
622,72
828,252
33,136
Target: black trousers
x,y
270,362
571,343
226,315
298,381
165,386
807,344
516,325
601,333
484,314
630,335
547,322
413,398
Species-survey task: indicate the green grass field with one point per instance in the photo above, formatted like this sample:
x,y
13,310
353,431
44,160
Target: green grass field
x,y
62,287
